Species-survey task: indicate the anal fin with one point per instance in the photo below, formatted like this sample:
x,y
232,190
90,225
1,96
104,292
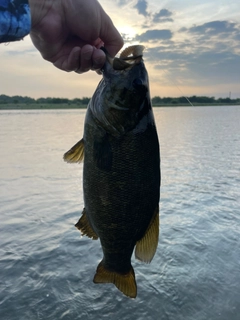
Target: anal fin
x,y
147,246
126,283
84,227
76,153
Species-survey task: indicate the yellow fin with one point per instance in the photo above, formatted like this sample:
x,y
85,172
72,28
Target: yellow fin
x,y
126,283
147,246
84,227
76,153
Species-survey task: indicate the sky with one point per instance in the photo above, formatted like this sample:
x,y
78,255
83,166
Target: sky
x,y
191,48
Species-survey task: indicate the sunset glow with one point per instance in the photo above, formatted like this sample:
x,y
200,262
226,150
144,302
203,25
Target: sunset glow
x,y
193,46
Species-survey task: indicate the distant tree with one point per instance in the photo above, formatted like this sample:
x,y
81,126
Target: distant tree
x,y
156,100
167,100
76,101
201,99
225,100
85,100
182,100
59,100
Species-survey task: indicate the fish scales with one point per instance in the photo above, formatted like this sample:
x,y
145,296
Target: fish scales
x,y
122,191
121,173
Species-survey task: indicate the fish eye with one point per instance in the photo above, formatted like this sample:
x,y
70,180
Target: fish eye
x,y
137,83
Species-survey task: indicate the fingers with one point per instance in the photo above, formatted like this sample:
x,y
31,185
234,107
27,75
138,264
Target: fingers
x,y
99,59
72,61
83,59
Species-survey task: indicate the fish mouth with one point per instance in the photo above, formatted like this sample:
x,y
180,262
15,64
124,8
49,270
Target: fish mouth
x,y
129,57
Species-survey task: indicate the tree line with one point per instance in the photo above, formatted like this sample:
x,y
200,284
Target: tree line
x,y
193,100
4,99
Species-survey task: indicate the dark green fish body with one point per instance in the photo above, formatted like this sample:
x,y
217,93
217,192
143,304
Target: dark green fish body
x,y
121,174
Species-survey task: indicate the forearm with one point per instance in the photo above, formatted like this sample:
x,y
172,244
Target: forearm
x,y
15,20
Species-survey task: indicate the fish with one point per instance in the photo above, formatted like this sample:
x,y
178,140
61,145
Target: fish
x,y
121,170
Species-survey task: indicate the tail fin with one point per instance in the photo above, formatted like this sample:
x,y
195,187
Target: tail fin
x,y
126,283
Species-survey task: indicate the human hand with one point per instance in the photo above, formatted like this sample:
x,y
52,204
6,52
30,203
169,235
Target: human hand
x,y
69,33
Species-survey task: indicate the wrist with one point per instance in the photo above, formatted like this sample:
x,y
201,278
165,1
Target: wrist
x,y
15,20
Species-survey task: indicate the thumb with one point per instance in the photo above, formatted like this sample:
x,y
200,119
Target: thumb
x,y
112,39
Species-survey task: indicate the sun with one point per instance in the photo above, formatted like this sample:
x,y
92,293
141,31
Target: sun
x,y
128,33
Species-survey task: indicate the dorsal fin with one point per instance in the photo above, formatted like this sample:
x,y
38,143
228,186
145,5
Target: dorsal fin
x,y
147,246
76,153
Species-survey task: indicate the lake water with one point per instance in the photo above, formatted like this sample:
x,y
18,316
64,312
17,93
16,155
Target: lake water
x,y
46,267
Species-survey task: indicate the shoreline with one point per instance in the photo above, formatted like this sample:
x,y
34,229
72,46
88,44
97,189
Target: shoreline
x,y
24,106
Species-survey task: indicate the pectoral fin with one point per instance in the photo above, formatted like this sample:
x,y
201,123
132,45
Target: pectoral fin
x,y
147,246
126,283
84,227
76,153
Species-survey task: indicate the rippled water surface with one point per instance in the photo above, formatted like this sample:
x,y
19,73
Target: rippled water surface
x,y
46,267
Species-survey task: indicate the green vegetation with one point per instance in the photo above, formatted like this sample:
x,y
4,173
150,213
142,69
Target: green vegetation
x,y
19,102
195,100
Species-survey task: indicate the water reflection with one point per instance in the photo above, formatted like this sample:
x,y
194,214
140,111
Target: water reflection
x,y
47,267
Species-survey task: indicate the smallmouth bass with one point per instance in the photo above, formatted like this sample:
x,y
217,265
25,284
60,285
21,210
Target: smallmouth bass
x,y
121,170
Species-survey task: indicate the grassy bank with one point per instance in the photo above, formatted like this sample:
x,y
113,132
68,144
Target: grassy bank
x,y
37,106
44,106
196,104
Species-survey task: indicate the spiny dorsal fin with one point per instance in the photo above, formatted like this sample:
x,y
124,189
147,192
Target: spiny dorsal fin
x,y
147,246
84,227
76,153
126,283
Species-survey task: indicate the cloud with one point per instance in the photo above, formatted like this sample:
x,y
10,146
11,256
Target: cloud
x,y
154,34
141,7
214,27
121,3
199,56
163,16
214,34
22,52
201,66
237,37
